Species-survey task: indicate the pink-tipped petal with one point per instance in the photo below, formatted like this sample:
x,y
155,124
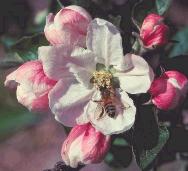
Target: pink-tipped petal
x,y
169,90
61,62
166,96
55,60
32,85
67,101
153,31
95,145
68,26
84,145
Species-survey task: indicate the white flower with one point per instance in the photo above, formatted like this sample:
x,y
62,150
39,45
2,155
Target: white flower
x,y
81,75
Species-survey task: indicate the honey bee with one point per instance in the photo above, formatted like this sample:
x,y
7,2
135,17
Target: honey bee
x,y
107,104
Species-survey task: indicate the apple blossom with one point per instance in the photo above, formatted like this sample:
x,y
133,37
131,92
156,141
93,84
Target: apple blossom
x,y
32,85
84,145
154,32
69,25
169,90
75,94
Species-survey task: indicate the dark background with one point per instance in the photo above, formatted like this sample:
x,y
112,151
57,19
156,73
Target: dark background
x,y
33,142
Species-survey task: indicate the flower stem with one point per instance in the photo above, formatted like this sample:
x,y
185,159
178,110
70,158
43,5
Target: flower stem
x,y
60,4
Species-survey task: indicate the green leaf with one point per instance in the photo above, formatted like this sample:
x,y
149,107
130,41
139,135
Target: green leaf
x,y
120,152
13,119
146,157
162,6
9,64
136,46
181,47
120,142
10,60
7,41
60,4
109,158
146,126
27,47
119,156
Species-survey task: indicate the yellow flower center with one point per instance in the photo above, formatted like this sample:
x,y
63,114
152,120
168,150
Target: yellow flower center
x,y
102,79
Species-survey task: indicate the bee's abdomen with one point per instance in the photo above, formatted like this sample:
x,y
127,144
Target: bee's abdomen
x,y
110,109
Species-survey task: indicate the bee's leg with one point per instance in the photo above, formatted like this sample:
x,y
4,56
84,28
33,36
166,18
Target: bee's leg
x,y
101,114
97,101
121,90
125,106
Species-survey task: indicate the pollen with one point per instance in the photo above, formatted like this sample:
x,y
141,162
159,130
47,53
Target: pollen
x,y
102,79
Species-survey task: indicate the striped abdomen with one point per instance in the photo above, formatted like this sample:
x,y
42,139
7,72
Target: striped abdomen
x,y
110,109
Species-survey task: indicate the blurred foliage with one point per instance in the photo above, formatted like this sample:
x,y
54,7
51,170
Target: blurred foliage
x,y
180,48
83,3
10,60
14,15
162,6
143,8
16,22
27,47
15,118
120,153
178,63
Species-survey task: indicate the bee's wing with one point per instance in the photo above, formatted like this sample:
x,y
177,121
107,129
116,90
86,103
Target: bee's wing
x,y
99,112
118,102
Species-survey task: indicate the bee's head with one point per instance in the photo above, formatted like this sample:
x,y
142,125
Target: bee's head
x,y
104,91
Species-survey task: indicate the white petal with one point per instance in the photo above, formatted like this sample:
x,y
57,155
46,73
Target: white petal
x,y
59,62
84,58
139,78
104,40
135,84
83,76
139,65
84,65
123,120
55,60
82,119
67,101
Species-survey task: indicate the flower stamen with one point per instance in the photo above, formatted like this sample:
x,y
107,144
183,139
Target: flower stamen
x,y
102,79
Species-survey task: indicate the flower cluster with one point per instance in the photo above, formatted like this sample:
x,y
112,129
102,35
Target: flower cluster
x,y
84,78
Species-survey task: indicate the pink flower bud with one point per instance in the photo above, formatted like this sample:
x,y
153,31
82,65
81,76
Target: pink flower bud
x,y
85,145
68,26
169,90
32,85
154,32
